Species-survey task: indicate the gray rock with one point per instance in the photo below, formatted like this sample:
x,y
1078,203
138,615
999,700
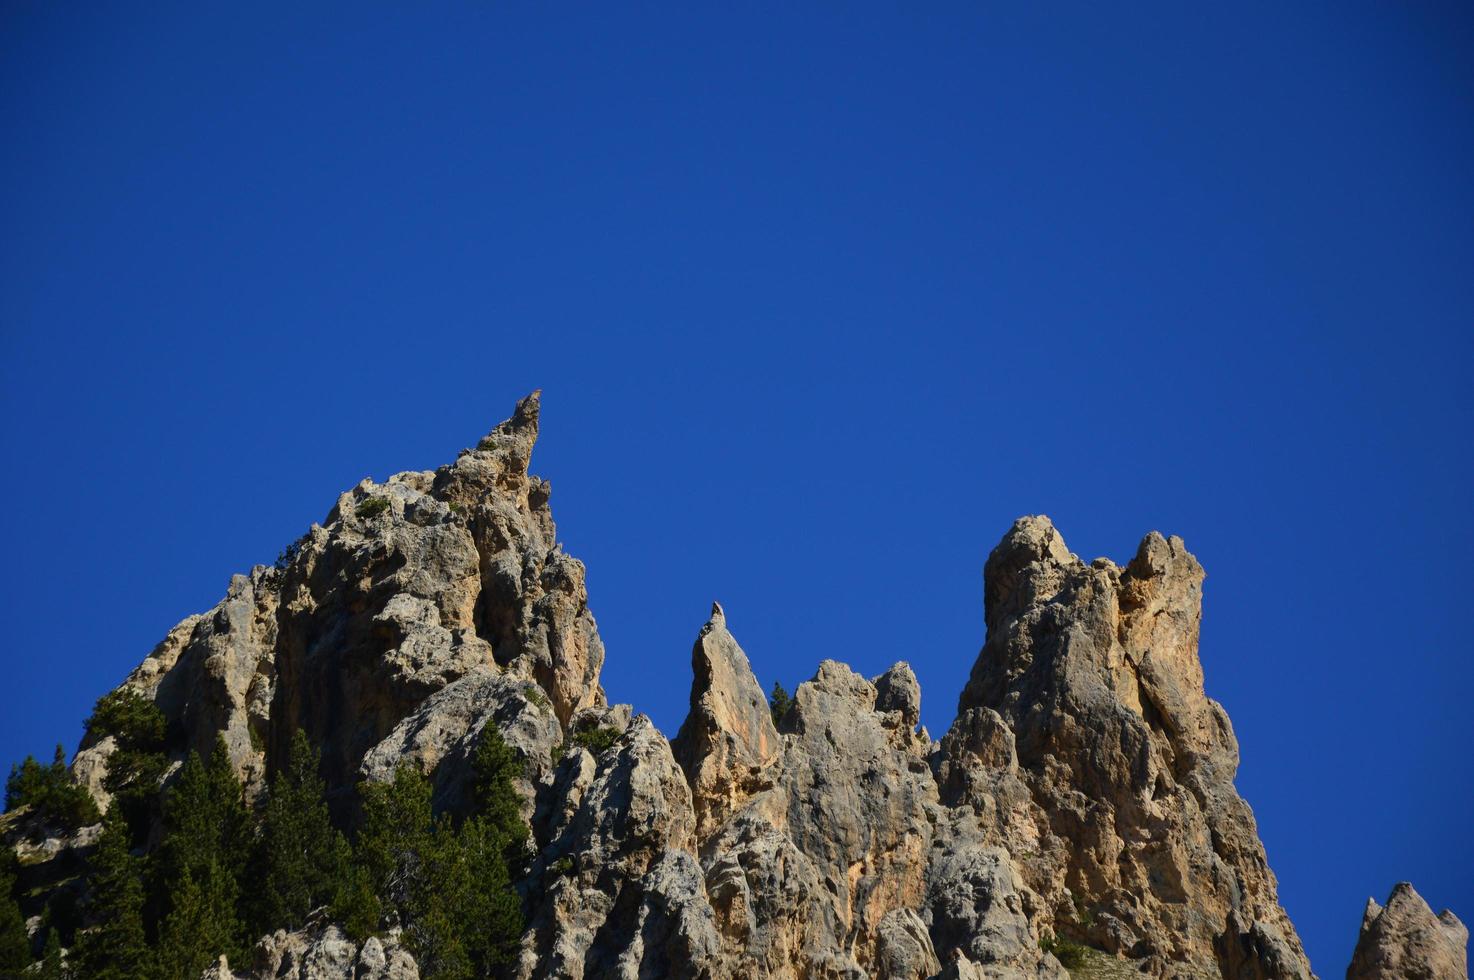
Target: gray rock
x,y
320,951
904,948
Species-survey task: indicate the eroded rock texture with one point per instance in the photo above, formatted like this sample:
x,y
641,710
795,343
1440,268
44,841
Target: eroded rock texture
x,y
371,621
1084,793
1404,939
1133,835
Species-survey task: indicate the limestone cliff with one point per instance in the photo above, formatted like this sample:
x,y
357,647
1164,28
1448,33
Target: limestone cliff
x,y
1079,815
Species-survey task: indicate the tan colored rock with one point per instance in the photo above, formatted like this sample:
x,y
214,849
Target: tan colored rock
x,y
1084,791
408,587
1405,940
728,739
1143,846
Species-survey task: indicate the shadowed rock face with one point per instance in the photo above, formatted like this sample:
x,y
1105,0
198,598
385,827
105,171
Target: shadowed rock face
x,y
1404,939
1083,794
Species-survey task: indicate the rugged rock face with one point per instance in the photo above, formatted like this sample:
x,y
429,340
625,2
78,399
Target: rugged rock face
x,y
1141,846
1404,939
322,952
1083,795
409,587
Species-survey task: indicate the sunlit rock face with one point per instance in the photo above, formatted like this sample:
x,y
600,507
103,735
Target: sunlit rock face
x,y
1404,939
1079,808
1133,835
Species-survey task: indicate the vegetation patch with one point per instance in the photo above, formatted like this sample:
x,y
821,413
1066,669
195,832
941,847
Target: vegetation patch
x,y
596,740
1071,955
779,703
208,875
370,507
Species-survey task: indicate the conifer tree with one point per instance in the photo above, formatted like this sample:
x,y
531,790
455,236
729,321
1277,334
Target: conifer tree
x,y
51,966
15,944
394,842
116,947
52,791
449,887
138,763
303,861
488,907
496,768
201,924
200,861
494,849
778,702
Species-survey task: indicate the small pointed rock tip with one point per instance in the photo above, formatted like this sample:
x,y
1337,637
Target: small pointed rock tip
x,y
522,426
717,614
527,408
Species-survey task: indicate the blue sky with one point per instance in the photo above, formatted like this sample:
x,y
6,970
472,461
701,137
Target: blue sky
x,y
821,299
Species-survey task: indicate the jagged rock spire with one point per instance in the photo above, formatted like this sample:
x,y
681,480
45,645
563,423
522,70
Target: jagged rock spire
x,y
1405,939
728,737
1094,669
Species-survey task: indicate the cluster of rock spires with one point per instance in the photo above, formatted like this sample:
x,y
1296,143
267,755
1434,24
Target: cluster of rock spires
x,y
1084,792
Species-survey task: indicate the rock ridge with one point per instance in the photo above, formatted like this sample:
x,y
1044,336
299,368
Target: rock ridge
x,y
1077,817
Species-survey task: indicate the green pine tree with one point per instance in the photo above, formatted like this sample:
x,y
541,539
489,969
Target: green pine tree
x,y
497,768
116,947
394,841
201,924
778,702
206,840
138,763
490,910
449,886
303,861
52,966
15,944
52,791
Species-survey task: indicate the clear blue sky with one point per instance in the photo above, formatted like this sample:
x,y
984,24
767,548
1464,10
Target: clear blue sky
x,y
821,299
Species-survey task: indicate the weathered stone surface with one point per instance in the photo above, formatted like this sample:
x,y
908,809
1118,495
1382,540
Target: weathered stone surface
x,y
440,736
904,948
320,951
609,833
1144,848
1084,791
408,587
1404,939
728,739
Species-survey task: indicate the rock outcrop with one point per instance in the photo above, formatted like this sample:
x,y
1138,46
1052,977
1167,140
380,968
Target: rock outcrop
x,y
1404,939
1134,837
1082,802
407,588
320,951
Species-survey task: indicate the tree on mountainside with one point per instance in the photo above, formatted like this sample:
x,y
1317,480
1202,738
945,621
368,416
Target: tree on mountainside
x,y
779,702
15,944
199,864
137,764
302,862
449,886
116,948
52,792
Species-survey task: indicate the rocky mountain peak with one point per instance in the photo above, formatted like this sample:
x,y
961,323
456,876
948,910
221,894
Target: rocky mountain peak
x,y
1078,817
